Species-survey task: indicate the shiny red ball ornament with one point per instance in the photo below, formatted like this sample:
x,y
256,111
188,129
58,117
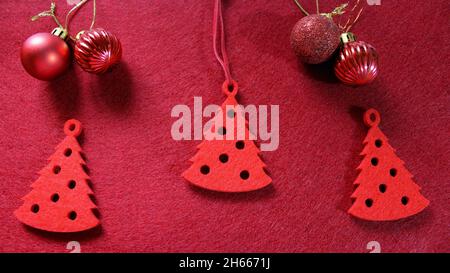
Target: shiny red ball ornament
x,y
357,62
46,56
97,50
315,38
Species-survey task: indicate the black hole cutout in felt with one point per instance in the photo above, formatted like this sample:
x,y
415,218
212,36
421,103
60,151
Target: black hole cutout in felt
x,y
56,169
204,169
72,215
68,152
35,208
405,200
244,175
55,198
393,172
240,145
223,158
72,184
374,161
222,131
378,143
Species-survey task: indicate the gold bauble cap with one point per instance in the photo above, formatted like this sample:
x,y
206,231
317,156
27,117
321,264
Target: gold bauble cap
x,y
347,37
79,34
60,32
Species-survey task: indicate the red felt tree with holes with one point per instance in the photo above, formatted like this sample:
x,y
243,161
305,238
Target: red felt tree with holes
x,y
60,200
228,159
385,190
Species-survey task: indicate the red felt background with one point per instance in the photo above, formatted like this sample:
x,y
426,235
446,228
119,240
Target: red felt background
x,y
135,165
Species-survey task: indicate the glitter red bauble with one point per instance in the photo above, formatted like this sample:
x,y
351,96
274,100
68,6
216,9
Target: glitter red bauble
x,y
315,38
357,63
45,56
97,50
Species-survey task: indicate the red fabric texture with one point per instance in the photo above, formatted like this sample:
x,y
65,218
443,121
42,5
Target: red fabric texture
x,y
135,166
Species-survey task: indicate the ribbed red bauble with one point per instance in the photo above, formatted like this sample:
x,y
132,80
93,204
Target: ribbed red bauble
x,y
46,56
315,38
97,50
357,61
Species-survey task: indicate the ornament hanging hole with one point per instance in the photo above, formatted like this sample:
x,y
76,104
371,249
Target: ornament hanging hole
x,y
72,127
230,88
372,117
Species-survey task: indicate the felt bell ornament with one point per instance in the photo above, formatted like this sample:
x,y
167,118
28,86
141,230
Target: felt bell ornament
x,y
97,50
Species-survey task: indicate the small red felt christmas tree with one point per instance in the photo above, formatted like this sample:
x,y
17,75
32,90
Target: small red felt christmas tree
x,y
226,160
60,200
385,189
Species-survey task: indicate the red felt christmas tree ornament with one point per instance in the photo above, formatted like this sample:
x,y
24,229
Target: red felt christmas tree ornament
x,y
224,161
228,159
385,190
61,197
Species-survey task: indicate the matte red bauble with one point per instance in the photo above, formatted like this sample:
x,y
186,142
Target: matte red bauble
x,y
357,62
97,50
45,56
315,38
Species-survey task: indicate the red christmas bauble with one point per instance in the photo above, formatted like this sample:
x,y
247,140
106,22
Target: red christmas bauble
x,y
357,62
45,56
97,50
315,38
